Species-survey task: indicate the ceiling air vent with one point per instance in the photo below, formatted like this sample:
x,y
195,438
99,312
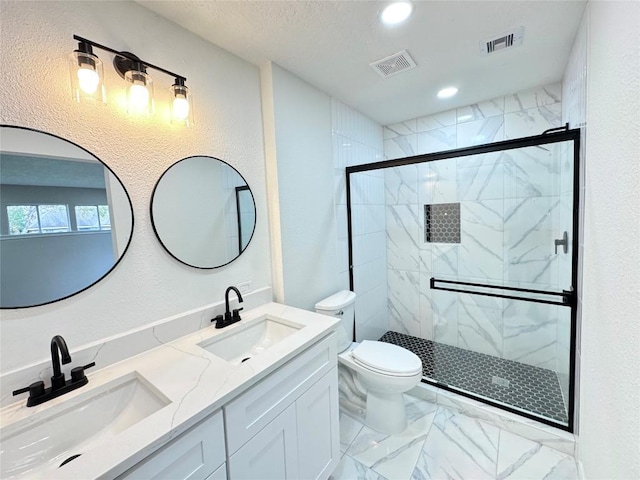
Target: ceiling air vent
x,y
396,63
502,42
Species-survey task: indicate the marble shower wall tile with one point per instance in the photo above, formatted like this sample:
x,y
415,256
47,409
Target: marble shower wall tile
x,y
400,185
404,301
443,180
478,132
403,237
534,121
482,182
445,260
401,146
458,447
529,334
477,111
537,97
480,324
445,316
437,120
530,227
436,140
481,252
532,172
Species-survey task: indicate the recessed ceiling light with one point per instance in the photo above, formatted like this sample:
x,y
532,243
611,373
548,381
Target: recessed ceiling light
x,y
396,12
447,92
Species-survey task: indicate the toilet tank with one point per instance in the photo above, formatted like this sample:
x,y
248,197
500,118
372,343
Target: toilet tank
x,y
341,305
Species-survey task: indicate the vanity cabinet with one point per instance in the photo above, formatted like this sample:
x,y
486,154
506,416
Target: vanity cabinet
x,y
286,426
197,454
283,427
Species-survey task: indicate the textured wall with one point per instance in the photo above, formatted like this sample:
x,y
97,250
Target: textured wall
x,y
35,91
609,444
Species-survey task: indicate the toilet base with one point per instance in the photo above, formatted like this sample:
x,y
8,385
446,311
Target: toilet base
x,y
386,412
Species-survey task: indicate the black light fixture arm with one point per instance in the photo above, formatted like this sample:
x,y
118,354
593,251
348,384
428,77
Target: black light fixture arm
x,y
179,78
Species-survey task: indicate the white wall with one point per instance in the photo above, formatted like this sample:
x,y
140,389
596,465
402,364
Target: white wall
x,y
297,119
35,91
609,445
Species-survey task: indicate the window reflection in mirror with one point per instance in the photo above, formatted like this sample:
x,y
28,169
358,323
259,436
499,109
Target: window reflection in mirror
x,y
203,212
65,218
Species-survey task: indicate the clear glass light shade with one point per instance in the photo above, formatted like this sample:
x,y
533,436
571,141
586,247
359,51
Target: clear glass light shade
x,y
139,93
86,77
182,105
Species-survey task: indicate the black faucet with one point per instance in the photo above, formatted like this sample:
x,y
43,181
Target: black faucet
x,y
59,386
230,317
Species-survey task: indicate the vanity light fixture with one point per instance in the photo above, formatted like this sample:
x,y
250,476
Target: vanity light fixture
x,y
86,74
87,81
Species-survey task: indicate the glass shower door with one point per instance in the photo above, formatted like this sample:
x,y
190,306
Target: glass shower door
x,y
481,270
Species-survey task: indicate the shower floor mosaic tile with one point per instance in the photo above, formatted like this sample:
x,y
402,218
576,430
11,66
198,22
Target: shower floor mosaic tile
x,y
441,444
536,390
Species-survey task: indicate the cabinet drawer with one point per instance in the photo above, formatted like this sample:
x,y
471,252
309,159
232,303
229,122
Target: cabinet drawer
x,y
194,455
250,412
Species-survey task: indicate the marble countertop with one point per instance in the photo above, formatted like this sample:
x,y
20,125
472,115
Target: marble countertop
x,y
194,381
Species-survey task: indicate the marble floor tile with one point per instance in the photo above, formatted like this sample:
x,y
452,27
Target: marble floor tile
x,y
350,469
520,458
458,447
442,444
349,429
395,456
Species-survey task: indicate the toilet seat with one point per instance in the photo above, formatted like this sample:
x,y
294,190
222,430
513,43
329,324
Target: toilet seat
x,y
386,359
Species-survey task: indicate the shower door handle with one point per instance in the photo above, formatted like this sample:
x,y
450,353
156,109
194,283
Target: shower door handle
x,y
564,242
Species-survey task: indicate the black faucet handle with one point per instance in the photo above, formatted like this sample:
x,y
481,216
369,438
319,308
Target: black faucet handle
x,y
236,313
219,321
35,389
77,373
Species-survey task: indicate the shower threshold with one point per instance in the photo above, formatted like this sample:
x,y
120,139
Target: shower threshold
x,y
523,387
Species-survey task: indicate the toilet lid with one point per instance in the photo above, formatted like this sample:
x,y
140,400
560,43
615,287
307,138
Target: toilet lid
x,y
387,357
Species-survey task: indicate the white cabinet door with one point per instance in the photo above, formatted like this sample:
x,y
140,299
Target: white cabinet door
x,y
250,412
318,428
194,455
271,454
220,473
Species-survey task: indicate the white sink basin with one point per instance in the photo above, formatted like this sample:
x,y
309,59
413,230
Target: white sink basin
x,y
245,341
36,445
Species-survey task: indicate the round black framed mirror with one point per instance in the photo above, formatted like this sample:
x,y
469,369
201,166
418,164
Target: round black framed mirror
x,y
66,220
203,212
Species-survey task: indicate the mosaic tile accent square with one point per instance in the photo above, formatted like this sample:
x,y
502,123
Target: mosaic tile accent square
x,y
533,389
442,223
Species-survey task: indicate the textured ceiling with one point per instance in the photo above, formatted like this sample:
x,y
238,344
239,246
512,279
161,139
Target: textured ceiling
x,y
330,44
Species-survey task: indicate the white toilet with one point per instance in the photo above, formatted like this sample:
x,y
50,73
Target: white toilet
x,y
381,371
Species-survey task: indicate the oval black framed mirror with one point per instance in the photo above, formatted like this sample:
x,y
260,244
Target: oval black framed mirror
x,y
66,220
203,212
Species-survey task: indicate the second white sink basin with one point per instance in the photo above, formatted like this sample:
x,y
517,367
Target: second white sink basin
x,y
35,446
244,342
